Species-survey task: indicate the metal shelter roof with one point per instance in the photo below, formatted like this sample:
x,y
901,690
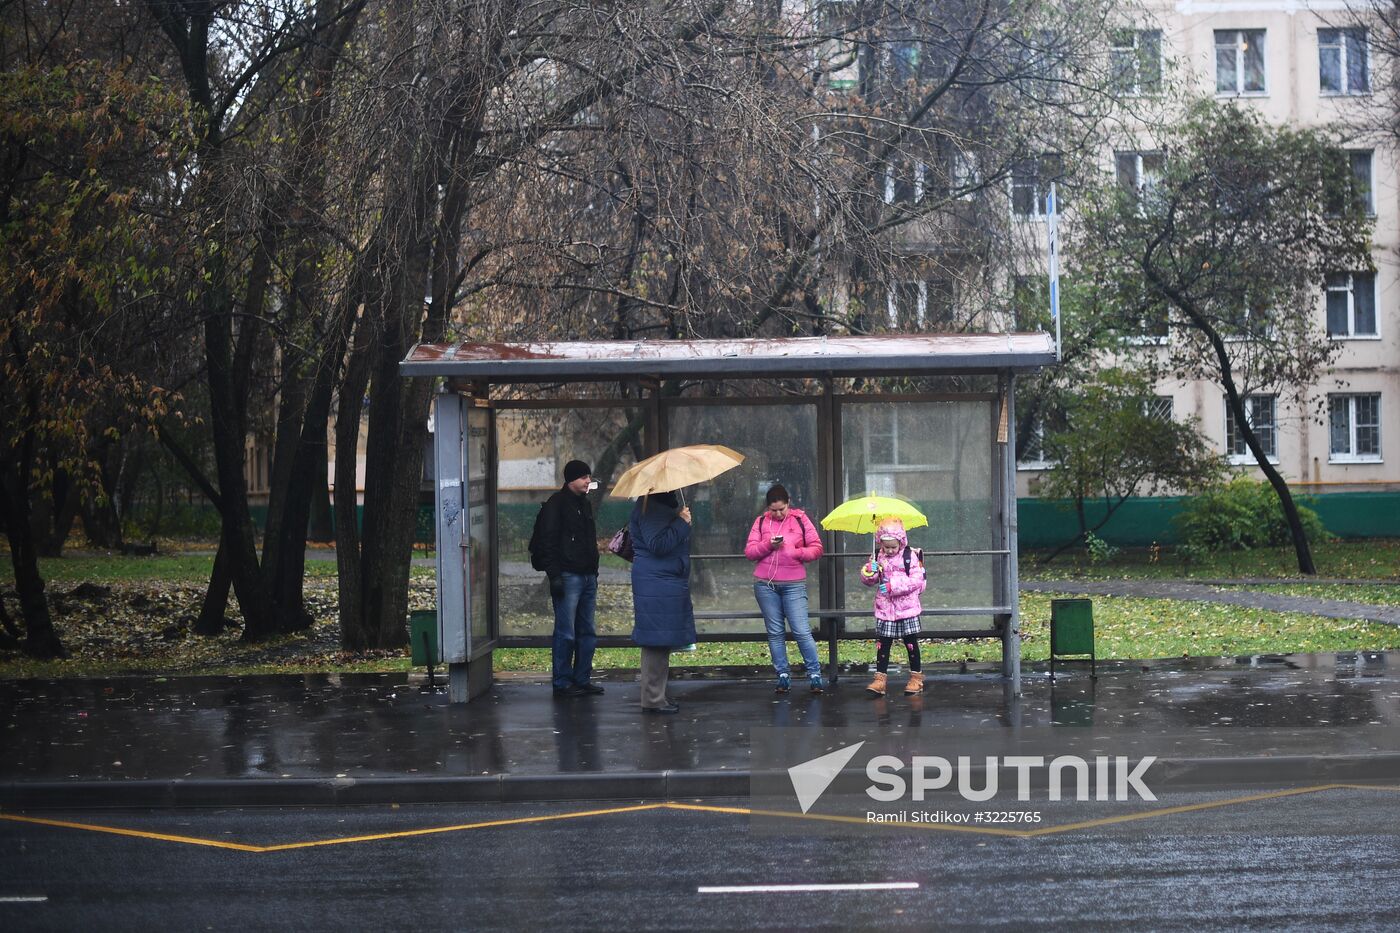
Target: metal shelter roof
x,y
895,354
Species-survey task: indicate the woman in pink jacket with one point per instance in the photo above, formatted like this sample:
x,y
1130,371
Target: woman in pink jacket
x,y
898,573
781,543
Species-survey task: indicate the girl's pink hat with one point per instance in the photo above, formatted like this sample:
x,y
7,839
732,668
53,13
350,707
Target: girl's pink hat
x,y
891,528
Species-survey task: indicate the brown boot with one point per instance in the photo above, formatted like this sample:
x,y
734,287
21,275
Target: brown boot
x,y
877,686
915,685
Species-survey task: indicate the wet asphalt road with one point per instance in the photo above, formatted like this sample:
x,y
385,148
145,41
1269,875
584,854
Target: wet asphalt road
x,y
1314,861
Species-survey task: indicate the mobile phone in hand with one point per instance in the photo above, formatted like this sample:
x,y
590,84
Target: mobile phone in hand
x,y
777,539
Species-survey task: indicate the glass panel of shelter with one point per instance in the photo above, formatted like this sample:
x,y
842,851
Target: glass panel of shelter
x,y
936,451
534,444
779,443
476,437
938,455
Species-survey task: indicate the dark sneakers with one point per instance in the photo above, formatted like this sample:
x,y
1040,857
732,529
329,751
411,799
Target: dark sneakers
x,y
669,709
578,690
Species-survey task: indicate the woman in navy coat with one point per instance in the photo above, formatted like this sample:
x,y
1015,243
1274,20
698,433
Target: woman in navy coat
x,y
664,618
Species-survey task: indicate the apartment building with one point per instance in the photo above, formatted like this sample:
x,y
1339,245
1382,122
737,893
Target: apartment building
x,y
1308,64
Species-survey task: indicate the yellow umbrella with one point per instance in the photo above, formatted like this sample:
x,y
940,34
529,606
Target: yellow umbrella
x,y
676,468
862,514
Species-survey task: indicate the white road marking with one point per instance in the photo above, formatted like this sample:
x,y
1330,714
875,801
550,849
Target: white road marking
x,y
767,888
23,900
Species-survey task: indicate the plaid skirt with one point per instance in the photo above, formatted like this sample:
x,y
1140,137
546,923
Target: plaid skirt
x,y
897,628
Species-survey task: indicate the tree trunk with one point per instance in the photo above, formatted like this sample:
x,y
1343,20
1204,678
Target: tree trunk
x,y
353,634
41,640
321,526
398,414
1236,403
211,611
1285,498
98,509
1276,480
237,542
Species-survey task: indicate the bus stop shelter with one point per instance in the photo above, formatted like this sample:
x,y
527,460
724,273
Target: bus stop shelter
x,y
929,418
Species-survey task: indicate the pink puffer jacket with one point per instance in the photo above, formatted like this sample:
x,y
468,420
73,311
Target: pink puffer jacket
x,y
901,597
802,544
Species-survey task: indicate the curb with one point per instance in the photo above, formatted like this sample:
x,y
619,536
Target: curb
x,y
330,792
1197,773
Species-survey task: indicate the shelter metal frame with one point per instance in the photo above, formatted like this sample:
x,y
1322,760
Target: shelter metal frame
x,y
465,478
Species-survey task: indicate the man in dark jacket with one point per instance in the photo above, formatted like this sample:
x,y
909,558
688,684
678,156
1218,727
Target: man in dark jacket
x,y
569,551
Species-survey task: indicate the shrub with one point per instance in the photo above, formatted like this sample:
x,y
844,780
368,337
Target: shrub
x,y
1100,551
1240,515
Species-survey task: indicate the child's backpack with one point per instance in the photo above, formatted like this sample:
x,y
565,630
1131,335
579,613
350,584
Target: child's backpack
x,y
917,552
536,552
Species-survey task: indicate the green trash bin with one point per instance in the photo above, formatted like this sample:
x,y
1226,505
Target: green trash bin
x,y
423,636
1072,632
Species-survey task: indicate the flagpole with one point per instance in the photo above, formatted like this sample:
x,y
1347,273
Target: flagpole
x,y
1052,235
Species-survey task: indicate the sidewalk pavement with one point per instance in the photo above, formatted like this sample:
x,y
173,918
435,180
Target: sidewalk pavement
x,y
351,739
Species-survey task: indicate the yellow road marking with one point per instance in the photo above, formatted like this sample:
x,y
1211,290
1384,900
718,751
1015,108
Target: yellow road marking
x,y
242,847
518,821
1367,787
1041,831
693,807
831,818
1168,811
139,834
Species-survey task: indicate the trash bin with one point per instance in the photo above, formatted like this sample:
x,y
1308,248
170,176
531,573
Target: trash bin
x,y
423,636
1072,632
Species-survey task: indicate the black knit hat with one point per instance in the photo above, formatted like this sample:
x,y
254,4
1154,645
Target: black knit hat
x,y
574,469
777,493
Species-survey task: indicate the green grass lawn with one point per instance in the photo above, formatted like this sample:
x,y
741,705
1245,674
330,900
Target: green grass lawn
x,y
1124,628
151,591
1377,559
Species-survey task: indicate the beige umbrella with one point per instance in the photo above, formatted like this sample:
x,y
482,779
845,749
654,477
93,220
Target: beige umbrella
x,y
676,468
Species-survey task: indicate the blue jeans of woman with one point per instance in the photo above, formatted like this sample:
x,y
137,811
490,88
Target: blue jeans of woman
x,y
776,600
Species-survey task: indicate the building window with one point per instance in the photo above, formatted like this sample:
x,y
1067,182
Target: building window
x,y
1158,408
1261,410
1036,63
902,438
1354,424
1033,448
906,305
1358,184
1030,302
1135,58
962,173
1140,173
882,438
904,182
1239,61
917,306
1342,66
1030,183
1361,179
1351,304
837,55
905,56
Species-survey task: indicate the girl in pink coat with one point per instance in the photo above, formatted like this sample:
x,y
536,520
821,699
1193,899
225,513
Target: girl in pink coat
x,y
897,572
782,542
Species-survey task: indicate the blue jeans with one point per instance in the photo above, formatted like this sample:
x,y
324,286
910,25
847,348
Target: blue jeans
x,y
575,638
776,600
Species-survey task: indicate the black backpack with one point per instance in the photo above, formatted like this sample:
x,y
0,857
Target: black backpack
x,y
536,555
912,552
